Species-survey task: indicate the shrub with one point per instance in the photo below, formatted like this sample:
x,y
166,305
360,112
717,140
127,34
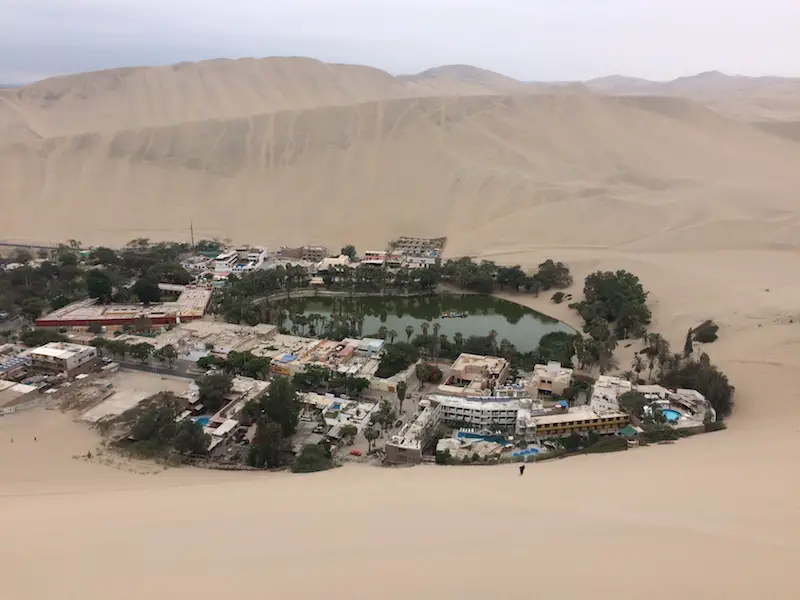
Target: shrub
x,y
558,297
607,444
312,458
444,457
706,332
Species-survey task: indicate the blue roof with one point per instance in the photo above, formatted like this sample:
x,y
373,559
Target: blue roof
x,y
288,358
563,403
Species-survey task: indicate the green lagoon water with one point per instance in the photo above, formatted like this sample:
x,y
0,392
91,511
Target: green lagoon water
x,y
522,326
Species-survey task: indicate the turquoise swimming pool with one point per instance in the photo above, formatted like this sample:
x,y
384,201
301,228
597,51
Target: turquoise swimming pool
x,y
203,421
671,415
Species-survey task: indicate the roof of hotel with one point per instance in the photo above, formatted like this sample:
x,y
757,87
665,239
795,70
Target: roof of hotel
x,y
191,303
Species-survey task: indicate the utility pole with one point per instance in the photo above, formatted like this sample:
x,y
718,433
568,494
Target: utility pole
x,y
191,233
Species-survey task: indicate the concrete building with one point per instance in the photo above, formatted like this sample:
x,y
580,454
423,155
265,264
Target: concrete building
x,y
474,375
333,262
606,392
550,379
369,346
374,257
411,246
406,446
63,357
477,412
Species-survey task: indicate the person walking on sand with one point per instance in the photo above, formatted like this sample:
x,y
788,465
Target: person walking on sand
x,y
522,469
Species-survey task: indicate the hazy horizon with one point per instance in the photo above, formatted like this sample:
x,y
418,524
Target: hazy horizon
x,y
658,41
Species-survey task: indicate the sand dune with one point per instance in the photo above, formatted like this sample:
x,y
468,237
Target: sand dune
x,y
132,98
485,170
702,207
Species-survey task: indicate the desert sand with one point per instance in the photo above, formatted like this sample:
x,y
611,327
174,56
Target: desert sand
x,y
702,206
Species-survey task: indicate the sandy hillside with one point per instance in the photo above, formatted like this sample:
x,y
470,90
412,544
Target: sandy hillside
x,y
487,171
702,207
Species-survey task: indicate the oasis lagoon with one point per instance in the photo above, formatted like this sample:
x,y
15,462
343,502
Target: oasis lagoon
x,y
466,314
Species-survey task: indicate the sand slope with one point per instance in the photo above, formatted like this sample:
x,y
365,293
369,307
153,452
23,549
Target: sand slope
x,y
487,171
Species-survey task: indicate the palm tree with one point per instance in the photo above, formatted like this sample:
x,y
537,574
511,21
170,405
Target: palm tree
x,y
493,340
424,328
392,334
436,328
382,332
458,339
409,332
637,364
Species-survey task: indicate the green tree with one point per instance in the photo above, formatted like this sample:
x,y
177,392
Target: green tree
x,y
167,354
616,298
553,275
281,405
190,439
349,432
99,285
268,446
147,290
386,414
409,332
213,389
141,351
633,403
153,429
349,251
32,308
370,434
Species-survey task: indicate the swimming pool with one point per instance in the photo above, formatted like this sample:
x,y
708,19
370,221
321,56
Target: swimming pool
x,y
336,406
202,421
671,415
525,452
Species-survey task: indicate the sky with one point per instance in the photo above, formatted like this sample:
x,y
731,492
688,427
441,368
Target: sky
x,y
553,40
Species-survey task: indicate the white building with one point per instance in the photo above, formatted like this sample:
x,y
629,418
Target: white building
x,y
374,257
416,262
477,412
62,356
606,392
224,263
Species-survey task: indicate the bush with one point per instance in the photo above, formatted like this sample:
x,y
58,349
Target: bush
x,y
558,297
607,444
715,426
444,457
312,458
39,337
706,332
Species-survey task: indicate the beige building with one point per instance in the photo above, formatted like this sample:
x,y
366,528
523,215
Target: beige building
x,y
474,375
581,419
63,357
550,379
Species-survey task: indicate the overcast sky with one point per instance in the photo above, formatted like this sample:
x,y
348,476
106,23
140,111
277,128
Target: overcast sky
x,y
527,39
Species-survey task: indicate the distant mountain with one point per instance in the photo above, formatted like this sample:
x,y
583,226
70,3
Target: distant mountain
x,y
739,96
